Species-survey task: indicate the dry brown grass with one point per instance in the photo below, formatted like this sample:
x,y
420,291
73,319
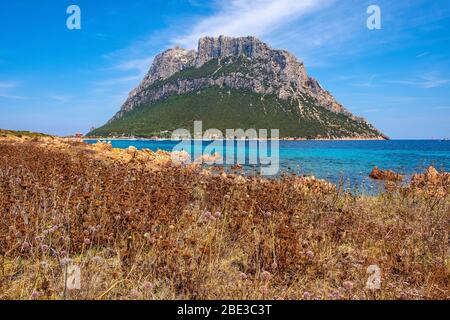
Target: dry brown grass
x,y
141,228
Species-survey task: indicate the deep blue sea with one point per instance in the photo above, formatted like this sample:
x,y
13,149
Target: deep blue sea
x,y
347,162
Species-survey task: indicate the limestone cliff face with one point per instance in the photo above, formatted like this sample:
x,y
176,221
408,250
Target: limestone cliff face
x,y
262,70
168,63
216,48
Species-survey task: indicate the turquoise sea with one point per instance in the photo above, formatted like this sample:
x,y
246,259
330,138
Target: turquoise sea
x,y
347,162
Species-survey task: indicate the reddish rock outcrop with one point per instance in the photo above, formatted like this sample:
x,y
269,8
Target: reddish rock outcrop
x,y
432,181
387,175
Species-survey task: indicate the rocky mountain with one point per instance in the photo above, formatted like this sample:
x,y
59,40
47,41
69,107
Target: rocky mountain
x,y
245,83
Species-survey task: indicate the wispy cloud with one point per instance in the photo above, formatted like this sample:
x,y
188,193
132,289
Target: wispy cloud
x,y
423,54
141,65
59,98
8,84
6,88
259,18
118,80
128,71
428,81
371,110
243,17
317,31
367,82
11,96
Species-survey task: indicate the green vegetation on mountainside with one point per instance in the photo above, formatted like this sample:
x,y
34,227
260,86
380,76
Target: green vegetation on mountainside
x,y
224,108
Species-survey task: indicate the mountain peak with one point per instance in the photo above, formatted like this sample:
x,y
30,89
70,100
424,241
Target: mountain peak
x,y
240,64
222,46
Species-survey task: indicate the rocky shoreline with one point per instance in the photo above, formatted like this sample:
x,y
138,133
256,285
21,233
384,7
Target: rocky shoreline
x,y
280,139
155,160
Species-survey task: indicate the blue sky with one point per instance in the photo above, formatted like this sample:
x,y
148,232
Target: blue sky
x,y
62,81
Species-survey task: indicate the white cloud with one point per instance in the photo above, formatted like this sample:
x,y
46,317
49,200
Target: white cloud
x,y
142,65
442,108
431,81
423,54
118,80
11,96
244,17
428,81
370,110
8,84
60,98
367,82
5,90
232,18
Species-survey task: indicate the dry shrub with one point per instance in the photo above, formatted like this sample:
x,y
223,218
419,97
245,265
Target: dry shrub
x,y
145,231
